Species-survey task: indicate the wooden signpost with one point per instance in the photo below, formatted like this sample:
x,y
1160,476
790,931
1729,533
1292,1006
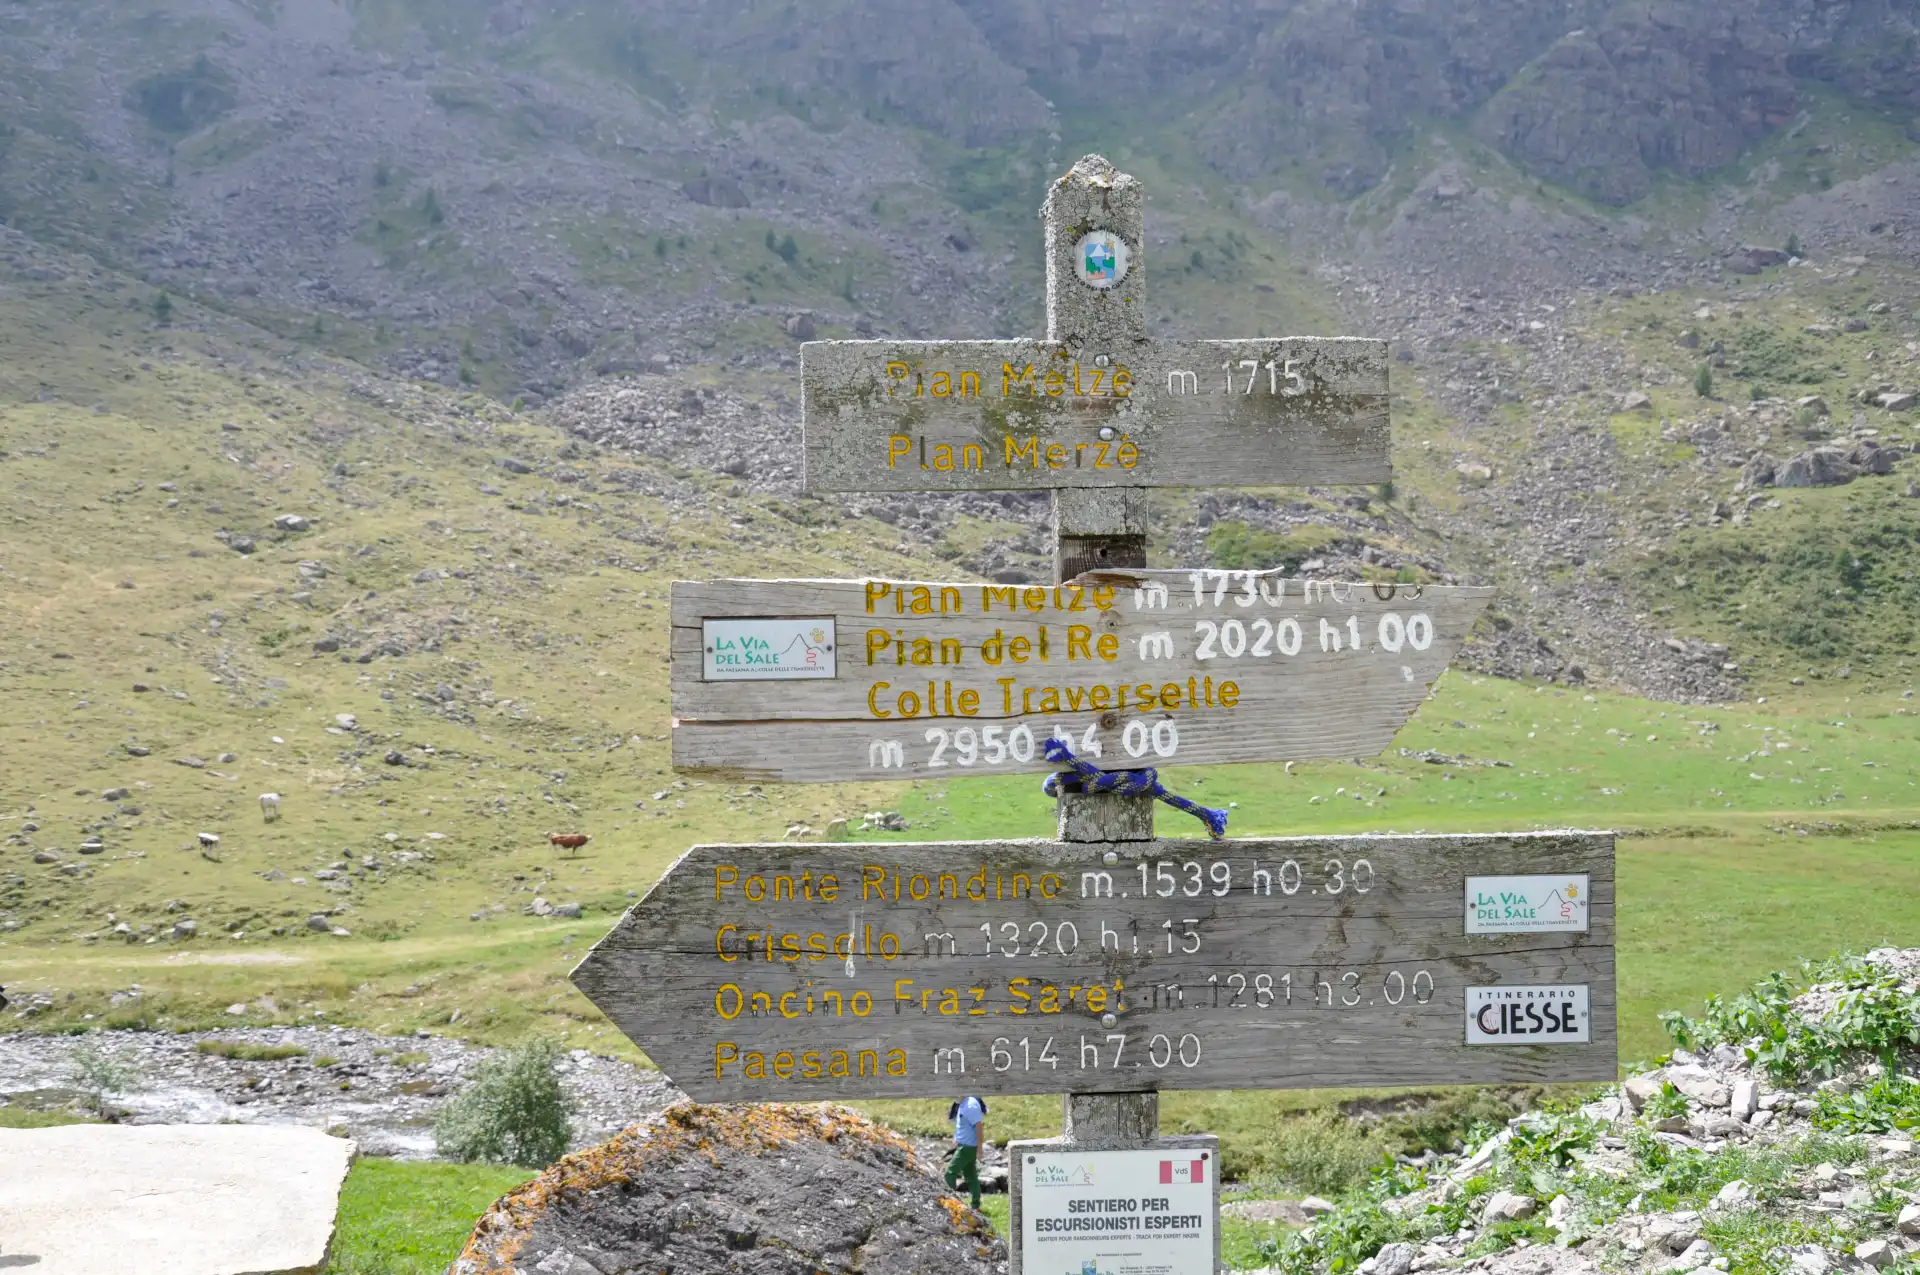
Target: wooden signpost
x,y
790,973
1108,964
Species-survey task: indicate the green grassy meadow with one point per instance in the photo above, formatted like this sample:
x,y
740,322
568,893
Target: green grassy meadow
x,y
138,651
498,640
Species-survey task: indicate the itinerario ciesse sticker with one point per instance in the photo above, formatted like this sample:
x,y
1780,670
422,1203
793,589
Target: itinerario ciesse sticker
x,y
1529,1015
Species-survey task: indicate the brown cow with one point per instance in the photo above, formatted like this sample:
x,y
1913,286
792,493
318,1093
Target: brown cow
x,y
568,840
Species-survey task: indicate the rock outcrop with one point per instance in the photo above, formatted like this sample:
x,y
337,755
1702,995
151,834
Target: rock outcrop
x,y
708,1190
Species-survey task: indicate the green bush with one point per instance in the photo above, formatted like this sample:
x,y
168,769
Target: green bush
x,y
1890,1103
1323,1153
1338,1242
1874,1016
101,1073
1236,546
513,1111
1703,381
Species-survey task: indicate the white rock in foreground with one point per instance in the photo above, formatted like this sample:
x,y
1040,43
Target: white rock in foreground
x,y
171,1199
1737,1194
1507,1206
1875,1253
1700,1085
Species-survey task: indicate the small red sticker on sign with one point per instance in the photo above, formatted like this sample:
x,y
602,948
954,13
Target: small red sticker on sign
x,y
1193,1171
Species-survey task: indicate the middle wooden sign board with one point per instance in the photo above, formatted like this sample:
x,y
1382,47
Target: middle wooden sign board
x,y
825,680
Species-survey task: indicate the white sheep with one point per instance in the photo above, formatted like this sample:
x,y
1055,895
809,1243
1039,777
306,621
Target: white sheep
x,y
270,806
208,841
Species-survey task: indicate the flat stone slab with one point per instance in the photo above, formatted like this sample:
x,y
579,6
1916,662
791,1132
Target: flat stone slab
x,y
169,1199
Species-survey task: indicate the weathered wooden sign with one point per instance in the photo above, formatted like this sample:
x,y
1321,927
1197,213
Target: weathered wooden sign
x,y
891,678
789,973
983,415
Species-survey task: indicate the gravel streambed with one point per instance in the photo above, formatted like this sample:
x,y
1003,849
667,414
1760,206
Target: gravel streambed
x,y
382,1091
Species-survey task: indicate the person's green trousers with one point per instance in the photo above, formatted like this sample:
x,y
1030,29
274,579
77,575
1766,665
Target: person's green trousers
x,y
964,1167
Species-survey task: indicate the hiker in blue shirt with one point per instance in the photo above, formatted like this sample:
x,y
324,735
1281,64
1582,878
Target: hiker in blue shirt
x,y
969,1116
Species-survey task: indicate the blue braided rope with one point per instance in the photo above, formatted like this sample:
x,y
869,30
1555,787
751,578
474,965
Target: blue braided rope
x,y
1085,777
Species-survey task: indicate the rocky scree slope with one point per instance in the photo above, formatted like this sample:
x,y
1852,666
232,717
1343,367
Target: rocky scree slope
x,y
519,192
1781,1141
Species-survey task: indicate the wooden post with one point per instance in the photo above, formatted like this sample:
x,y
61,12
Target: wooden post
x,y
1093,529
1100,528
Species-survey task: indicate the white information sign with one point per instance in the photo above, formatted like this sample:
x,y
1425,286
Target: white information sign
x,y
1145,1212
767,650
1527,905
1522,1015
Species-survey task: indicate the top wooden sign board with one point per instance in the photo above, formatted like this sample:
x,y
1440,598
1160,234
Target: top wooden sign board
x,y
1097,403
987,415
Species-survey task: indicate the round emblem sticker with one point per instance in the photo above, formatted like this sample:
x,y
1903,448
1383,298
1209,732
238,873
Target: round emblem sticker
x,y
1100,259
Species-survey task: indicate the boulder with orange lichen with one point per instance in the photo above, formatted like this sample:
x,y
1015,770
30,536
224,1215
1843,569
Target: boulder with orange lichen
x,y
737,1190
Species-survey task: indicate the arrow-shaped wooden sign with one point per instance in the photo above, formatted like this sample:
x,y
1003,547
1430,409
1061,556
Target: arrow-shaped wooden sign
x,y
822,680
794,973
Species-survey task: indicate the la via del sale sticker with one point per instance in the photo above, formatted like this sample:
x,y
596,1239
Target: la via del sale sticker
x,y
1147,1212
767,649
1527,905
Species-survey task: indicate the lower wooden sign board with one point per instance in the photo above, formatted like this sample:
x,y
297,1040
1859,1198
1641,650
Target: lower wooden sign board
x,y
798,973
828,680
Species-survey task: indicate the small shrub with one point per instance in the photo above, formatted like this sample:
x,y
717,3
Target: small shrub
x,y
513,1111
1874,1016
1890,1103
788,250
102,1073
1703,381
1236,546
163,309
1323,1153
1668,1102
1338,1242
1792,248
1550,1142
